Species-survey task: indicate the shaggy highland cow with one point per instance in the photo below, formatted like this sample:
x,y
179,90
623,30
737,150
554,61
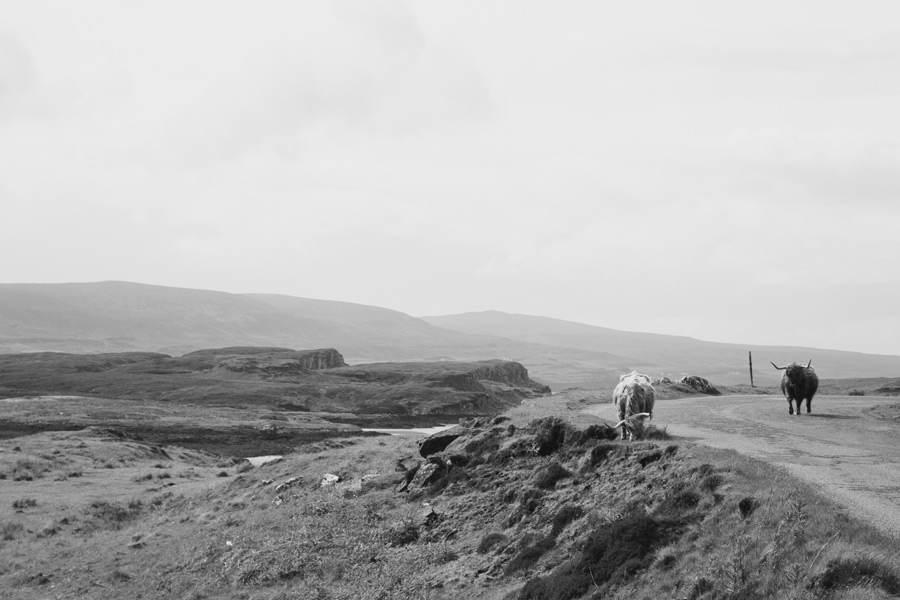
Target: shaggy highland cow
x,y
798,383
634,399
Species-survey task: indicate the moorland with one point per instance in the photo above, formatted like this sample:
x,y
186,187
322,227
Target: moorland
x,y
541,501
117,316
128,413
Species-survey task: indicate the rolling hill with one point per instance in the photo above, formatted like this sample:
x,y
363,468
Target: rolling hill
x,y
669,355
116,316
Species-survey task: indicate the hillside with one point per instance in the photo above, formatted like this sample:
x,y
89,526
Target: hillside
x,y
116,316
535,504
129,317
673,356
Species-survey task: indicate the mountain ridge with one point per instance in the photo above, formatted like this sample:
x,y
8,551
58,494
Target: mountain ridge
x,y
118,316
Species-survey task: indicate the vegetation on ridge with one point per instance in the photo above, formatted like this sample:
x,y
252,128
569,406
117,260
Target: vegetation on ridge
x,y
525,505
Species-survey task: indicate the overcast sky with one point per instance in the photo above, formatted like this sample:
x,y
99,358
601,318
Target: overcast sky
x,y
722,171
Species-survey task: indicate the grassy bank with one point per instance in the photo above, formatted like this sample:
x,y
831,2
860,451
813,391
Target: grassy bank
x,y
539,503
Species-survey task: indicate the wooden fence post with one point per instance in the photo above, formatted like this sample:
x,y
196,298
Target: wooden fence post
x,y
751,368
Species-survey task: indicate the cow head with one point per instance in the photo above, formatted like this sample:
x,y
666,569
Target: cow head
x,y
634,424
793,372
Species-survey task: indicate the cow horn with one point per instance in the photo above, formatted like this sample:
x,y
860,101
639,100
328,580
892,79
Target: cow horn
x,y
780,368
809,363
632,417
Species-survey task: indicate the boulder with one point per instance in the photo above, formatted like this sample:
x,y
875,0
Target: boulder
x,y
437,442
427,516
426,474
330,479
288,483
699,384
406,463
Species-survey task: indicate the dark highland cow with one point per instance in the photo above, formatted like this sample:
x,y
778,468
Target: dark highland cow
x,y
798,383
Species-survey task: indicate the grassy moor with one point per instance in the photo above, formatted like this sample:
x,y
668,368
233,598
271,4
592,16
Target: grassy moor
x,y
538,501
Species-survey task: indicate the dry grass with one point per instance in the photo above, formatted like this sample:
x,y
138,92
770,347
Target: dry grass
x,y
647,519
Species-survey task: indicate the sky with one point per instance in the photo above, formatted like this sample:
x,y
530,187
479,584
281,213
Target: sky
x,y
724,171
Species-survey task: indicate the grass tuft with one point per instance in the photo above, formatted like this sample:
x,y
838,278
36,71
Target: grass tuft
x,y
548,477
22,503
856,572
491,540
530,554
747,506
564,516
107,515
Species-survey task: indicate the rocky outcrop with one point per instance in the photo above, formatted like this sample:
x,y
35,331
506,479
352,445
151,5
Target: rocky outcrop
x,y
437,442
506,372
281,362
699,384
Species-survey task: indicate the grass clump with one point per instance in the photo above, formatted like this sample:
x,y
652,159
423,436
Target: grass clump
x,y
28,469
490,541
23,503
712,482
9,531
549,435
566,515
652,432
530,554
611,553
547,477
855,572
108,515
679,503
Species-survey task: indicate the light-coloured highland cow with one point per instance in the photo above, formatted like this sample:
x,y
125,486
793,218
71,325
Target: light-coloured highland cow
x,y
798,383
634,399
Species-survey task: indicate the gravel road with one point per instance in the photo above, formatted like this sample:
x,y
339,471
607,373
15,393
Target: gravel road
x,y
843,447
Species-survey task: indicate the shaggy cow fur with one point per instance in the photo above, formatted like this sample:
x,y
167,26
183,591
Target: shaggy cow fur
x,y
798,383
634,399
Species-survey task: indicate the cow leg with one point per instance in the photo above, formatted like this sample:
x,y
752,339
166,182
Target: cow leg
x,y
790,406
808,408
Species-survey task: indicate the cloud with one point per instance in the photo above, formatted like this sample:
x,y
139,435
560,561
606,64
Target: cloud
x,y
344,70
18,75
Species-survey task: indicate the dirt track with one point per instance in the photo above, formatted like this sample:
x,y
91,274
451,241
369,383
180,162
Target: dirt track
x,y
851,454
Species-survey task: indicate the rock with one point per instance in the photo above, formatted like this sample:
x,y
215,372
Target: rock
x,y
549,435
649,457
406,463
288,483
329,479
437,442
408,477
699,384
451,459
599,454
426,474
427,516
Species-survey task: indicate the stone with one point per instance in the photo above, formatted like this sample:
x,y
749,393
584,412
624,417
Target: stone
x,y
699,384
426,474
288,483
437,442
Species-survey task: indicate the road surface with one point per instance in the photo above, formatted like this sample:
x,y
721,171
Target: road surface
x,y
842,447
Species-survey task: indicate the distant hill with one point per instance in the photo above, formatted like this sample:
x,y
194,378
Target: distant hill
x,y
117,316
669,355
